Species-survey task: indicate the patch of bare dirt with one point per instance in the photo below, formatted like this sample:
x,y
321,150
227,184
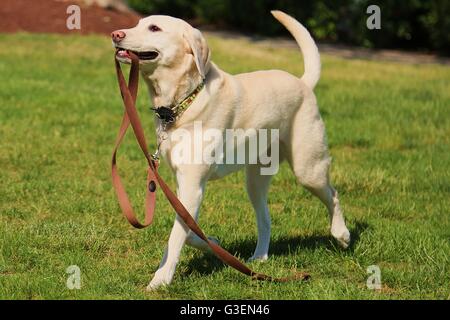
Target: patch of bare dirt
x,y
50,16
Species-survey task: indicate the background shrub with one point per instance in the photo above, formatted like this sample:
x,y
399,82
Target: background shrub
x,y
409,24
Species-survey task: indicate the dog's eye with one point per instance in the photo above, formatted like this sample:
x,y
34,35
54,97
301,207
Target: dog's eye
x,y
154,28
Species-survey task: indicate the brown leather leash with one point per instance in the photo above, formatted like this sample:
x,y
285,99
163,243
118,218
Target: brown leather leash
x,y
129,94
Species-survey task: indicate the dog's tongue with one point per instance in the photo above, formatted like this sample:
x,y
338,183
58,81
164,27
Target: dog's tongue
x,y
123,54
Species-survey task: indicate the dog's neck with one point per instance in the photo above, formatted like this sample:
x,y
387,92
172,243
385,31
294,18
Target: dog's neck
x,y
168,87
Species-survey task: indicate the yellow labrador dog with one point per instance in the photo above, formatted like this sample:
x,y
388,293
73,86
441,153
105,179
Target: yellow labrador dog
x,y
175,64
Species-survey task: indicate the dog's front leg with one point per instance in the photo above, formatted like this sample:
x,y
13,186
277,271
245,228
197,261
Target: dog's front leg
x,y
190,192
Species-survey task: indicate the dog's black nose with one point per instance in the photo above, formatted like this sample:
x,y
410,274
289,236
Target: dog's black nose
x,y
118,36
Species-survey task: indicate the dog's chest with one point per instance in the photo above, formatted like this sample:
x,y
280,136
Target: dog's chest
x,y
185,149
218,171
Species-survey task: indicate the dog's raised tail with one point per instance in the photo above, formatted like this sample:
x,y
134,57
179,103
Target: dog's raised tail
x,y
307,45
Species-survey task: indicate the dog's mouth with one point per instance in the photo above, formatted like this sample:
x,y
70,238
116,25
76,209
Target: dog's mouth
x,y
143,55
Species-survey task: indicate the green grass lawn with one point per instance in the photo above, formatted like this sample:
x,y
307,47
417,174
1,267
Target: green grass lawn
x,y
389,132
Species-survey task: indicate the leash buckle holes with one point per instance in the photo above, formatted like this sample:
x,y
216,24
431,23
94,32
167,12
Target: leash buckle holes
x,y
152,186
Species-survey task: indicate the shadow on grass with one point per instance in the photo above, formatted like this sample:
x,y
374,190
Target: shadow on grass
x,y
205,264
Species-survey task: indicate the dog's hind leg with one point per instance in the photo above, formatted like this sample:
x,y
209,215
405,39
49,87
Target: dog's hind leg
x,y
310,162
257,188
190,192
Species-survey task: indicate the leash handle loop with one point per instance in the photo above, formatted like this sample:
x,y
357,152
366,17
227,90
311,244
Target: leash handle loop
x,y
130,95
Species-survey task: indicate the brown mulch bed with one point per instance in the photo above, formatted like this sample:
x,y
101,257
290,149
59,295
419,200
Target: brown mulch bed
x,y
49,16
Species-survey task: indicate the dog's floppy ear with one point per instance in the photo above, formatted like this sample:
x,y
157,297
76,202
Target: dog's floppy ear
x,y
199,49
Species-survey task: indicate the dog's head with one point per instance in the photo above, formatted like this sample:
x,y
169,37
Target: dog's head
x,y
163,41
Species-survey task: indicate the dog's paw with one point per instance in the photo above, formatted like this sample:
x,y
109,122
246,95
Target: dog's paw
x,y
157,283
160,280
206,248
342,237
258,258
214,239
